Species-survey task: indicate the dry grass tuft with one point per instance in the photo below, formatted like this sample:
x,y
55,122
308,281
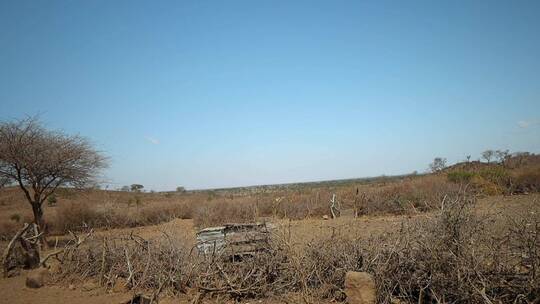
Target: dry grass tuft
x,y
219,212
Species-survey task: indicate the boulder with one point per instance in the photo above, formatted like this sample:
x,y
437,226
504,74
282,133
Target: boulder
x,y
37,278
360,288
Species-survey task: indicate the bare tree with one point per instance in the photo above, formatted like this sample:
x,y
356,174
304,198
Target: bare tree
x,y
502,156
438,164
521,157
136,187
41,160
488,155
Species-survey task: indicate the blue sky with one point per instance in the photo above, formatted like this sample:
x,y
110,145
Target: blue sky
x,y
228,93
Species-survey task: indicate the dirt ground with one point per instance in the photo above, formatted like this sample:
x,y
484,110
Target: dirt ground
x,y
13,290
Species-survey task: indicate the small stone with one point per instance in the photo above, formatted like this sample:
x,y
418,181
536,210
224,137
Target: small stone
x,y
37,278
325,217
71,287
360,288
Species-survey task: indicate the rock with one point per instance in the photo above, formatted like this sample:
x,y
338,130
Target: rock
x,y
37,278
360,288
120,285
89,286
325,217
31,258
71,287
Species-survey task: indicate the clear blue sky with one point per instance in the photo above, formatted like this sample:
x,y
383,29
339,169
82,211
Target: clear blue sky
x,y
228,93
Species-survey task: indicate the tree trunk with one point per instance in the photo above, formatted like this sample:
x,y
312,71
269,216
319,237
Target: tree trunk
x,y
38,220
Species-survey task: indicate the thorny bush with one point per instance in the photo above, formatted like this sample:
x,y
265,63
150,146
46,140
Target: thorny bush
x,y
453,256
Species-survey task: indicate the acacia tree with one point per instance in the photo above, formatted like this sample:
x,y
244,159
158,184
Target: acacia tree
x,y
488,155
502,156
136,187
40,161
438,164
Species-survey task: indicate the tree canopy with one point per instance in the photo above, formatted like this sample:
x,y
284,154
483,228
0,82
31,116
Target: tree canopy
x,y
40,160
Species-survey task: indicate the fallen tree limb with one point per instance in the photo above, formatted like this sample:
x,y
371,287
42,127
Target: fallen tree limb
x,y
10,246
78,242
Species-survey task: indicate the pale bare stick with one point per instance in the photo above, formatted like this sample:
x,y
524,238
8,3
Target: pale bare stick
x,y
10,246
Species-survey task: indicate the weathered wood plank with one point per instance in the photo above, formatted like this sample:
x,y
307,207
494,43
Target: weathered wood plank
x,y
232,239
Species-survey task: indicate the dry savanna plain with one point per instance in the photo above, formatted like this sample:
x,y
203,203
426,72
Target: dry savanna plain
x,y
469,233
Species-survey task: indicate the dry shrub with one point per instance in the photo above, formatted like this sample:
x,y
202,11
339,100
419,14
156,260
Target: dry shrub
x,y
527,180
482,186
10,225
315,270
75,216
153,215
258,275
492,180
219,212
460,176
297,206
131,261
307,207
326,261
496,179
148,215
168,266
416,195
294,205
8,229
457,258
406,196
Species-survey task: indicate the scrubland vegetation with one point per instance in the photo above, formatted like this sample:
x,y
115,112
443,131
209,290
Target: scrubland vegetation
x,y
453,256
409,194
444,251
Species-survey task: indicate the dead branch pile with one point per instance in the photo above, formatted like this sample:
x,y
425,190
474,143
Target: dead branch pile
x,y
453,257
25,249
22,250
132,262
458,257
163,265
259,274
325,263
